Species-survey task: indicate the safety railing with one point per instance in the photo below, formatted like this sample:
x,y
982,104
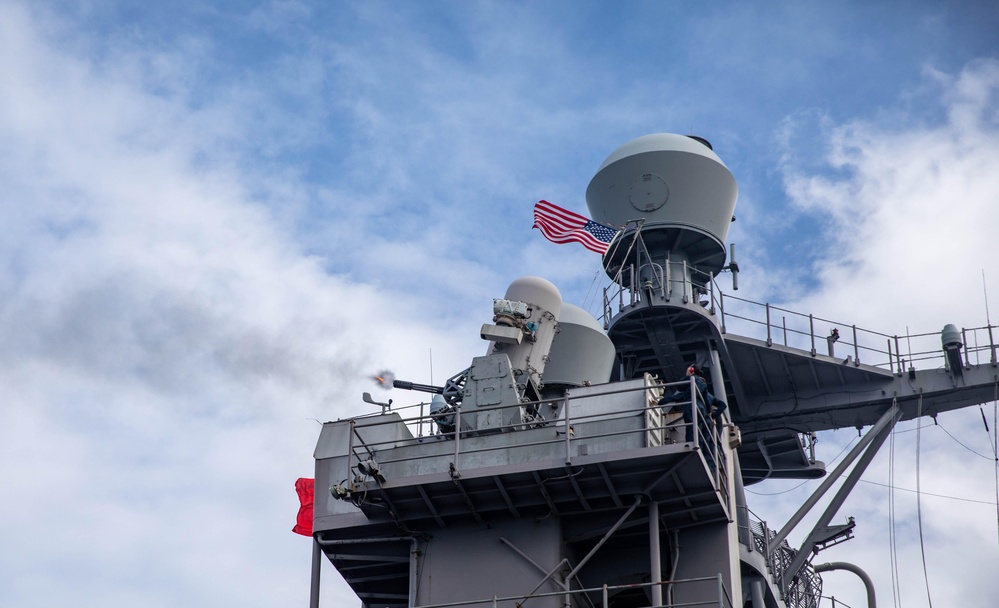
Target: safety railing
x,y
668,281
804,588
605,593
808,332
818,335
706,434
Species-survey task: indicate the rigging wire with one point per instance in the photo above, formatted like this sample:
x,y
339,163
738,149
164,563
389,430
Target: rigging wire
x,y
781,492
835,458
960,443
919,507
995,402
994,440
896,591
592,290
995,448
971,500
956,440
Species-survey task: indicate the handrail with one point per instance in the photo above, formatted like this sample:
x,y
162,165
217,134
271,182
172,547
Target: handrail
x,y
708,437
874,348
806,591
724,598
359,448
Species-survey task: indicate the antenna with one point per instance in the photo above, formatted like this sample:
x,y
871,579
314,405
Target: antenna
x,y
985,291
366,397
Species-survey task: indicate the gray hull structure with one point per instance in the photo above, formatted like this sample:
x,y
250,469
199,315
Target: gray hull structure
x,y
548,474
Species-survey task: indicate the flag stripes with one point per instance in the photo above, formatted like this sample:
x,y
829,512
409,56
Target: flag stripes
x,y
560,225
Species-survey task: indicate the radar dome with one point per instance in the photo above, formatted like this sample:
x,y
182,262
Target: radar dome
x,y
537,291
678,185
581,352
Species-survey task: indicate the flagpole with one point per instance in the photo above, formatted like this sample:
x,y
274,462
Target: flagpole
x,y
634,239
317,563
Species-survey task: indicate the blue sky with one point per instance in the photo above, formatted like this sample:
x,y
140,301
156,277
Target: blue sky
x,y
222,217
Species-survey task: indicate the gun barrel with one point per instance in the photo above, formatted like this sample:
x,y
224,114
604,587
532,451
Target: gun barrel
x,y
413,386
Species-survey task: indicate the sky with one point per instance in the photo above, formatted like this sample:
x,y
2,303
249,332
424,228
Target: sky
x,y
222,217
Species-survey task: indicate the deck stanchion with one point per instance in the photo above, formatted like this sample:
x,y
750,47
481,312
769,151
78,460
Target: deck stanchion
x,y
770,341
898,356
721,307
811,331
350,449
964,339
992,346
693,412
856,348
568,431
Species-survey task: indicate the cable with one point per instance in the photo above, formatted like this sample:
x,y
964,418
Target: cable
x,y
848,444
896,591
594,288
958,441
972,500
779,493
995,447
979,454
835,458
919,508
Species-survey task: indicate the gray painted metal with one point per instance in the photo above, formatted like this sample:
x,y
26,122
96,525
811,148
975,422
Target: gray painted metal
x,y
529,488
655,558
317,563
868,583
580,354
665,179
888,420
675,183
542,304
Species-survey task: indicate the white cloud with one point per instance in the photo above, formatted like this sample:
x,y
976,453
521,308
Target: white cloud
x,y
166,345
910,212
166,341
908,207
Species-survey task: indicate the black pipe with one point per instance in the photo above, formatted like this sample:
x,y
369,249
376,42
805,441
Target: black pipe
x,y
412,386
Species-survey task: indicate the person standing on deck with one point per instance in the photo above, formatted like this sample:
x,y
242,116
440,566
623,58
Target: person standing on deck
x,y
706,402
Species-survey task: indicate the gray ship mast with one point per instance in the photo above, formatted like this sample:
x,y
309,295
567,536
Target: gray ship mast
x,y
548,473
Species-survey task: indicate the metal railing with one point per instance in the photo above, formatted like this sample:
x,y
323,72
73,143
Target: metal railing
x,y
723,599
814,334
818,335
706,435
804,587
670,281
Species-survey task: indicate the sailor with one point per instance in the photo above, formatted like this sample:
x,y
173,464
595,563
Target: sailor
x,y
707,404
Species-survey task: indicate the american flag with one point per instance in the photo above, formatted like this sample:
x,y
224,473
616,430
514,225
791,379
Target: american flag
x,y
563,226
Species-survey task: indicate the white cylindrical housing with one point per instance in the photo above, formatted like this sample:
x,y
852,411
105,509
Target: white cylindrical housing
x,y
530,355
679,186
581,353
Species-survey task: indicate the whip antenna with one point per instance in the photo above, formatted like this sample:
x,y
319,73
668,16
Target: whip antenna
x,y
985,292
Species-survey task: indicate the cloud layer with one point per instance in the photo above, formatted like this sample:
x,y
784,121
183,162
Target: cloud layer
x,y
219,224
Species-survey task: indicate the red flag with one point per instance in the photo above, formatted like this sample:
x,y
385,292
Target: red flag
x,y
560,225
306,492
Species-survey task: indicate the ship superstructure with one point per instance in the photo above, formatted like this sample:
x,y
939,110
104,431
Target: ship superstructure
x,y
576,464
